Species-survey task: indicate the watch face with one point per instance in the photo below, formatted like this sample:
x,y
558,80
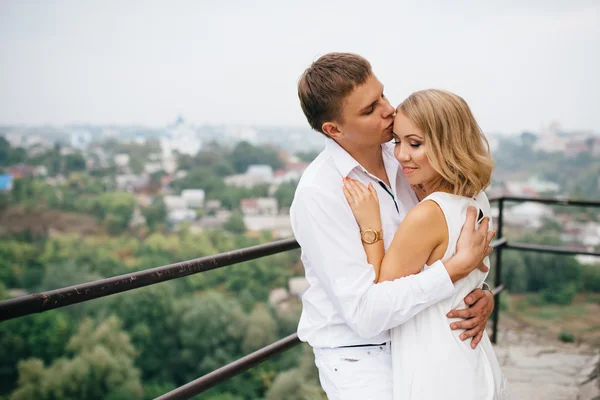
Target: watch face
x,y
369,236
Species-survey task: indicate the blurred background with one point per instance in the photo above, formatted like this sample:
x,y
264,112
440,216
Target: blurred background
x,y
137,134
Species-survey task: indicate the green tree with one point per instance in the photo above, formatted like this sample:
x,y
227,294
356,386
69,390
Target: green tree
x,y
307,156
101,368
235,223
116,210
210,315
300,383
285,194
156,213
245,154
15,259
44,336
152,318
9,155
261,331
514,271
74,162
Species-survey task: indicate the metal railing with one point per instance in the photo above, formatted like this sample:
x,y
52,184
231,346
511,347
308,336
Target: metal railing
x,y
41,302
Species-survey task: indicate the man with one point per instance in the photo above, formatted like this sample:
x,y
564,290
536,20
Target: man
x,y
346,317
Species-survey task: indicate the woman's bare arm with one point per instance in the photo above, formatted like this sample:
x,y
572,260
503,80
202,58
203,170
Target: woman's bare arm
x,y
421,239
421,233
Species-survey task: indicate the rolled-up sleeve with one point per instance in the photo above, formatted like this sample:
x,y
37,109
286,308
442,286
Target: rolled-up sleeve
x,y
324,226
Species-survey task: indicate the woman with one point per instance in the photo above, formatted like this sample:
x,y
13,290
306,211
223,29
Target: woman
x,y
443,152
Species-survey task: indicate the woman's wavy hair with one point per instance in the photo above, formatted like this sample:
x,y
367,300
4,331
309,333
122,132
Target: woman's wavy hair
x,y
456,147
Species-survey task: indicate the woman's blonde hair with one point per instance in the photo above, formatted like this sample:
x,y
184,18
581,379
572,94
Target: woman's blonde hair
x,y
456,147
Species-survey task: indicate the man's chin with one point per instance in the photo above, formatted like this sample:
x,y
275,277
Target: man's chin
x,y
387,138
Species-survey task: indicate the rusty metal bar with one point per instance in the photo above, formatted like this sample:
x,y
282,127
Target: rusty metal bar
x,y
549,249
498,271
40,302
498,289
211,379
547,200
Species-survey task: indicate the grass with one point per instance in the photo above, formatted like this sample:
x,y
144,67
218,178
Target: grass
x,y
579,321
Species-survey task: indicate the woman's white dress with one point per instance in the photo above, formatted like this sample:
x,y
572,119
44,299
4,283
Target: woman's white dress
x,y
429,360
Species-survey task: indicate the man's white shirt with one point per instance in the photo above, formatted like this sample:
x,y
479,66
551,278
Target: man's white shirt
x,y
342,305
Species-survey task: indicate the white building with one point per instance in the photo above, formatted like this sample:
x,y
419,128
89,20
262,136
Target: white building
x,y
527,214
175,203
278,225
122,160
255,175
286,176
298,285
179,215
81,139
259,206
131,182
194,197
180,137
152,167
530,188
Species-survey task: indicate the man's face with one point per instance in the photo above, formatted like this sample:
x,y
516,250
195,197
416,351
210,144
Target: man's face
x,y
367,116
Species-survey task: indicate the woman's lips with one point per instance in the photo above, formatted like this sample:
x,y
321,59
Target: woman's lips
x,y
408,170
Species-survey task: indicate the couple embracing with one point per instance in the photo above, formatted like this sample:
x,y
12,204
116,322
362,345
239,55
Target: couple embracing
x,y
395,230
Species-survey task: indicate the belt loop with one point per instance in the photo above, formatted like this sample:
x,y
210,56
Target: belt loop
x,y
388,346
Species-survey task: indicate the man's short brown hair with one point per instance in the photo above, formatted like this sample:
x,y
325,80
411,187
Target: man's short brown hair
x,y
324,85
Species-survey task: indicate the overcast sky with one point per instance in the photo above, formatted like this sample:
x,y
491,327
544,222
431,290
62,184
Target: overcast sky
x,y
519,64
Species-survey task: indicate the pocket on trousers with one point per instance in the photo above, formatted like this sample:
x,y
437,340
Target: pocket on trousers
x,y
354,371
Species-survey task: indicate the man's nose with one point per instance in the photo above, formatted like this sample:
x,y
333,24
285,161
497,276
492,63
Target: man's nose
x,y
388,110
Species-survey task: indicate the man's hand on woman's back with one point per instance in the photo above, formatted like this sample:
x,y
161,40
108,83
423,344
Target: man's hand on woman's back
x,y
472,248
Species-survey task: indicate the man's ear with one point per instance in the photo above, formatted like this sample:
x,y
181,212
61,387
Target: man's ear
x,y
331,130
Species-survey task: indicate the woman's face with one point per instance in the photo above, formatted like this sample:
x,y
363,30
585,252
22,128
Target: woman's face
x,y
411,153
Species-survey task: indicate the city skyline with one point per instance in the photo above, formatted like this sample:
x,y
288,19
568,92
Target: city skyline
x,y
106,63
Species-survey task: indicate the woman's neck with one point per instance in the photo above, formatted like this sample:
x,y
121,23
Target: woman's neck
x,y
436,185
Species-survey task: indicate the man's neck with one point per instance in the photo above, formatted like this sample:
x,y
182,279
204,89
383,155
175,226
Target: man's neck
x,y
371,159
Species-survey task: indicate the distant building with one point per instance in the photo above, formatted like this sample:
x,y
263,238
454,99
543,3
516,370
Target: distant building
x,y
213,205
81,139
181,138
528,214
264,172
279,225
531,188
255,175
575,147
177,216
137,219
121,160
175,203
6,182
298,285
259,206
194,197
277,296
132,183
212,221
286,176
152,167
27,171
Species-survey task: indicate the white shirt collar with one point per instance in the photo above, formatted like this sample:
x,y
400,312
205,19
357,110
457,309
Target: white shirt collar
x,y
345,163
342,160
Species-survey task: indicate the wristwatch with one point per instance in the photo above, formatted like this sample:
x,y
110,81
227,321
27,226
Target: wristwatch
x,y
370,236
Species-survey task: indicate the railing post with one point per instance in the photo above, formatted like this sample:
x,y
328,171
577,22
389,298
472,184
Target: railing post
x,y
498,268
